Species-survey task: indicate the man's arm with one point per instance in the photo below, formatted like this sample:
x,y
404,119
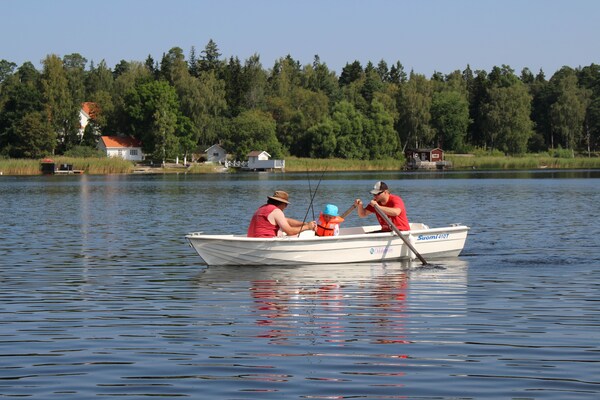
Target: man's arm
x,y
289,225
294,223
362,212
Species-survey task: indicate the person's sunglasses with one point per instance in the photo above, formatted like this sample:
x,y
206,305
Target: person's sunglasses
x,y
377,194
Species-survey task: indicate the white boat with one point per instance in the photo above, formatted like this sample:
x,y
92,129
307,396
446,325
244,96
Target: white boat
x,y
353,245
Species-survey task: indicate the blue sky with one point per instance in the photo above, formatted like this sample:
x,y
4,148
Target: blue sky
x,y
424,35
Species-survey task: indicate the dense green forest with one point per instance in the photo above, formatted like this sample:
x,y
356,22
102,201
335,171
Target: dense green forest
x,y
180,106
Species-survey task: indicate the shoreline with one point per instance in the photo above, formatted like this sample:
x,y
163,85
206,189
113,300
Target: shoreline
x,y
464,163
168,171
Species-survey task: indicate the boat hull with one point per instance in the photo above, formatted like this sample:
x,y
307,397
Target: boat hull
x,y
353,245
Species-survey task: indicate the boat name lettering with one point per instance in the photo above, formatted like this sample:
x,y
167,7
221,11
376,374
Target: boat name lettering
x,y
433,237
379,250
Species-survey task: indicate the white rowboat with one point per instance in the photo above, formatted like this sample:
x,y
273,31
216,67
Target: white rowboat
x,y
353,245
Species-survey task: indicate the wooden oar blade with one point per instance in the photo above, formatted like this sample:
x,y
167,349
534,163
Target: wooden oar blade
x,y
397,231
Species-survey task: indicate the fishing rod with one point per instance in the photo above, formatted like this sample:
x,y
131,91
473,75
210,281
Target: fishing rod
x,y
310,193
313,197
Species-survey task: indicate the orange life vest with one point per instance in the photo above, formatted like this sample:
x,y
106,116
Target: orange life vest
x,y
327,228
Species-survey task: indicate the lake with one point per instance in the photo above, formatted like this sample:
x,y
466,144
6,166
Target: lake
x,y
101,296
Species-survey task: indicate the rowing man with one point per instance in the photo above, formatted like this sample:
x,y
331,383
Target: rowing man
x,y
392,205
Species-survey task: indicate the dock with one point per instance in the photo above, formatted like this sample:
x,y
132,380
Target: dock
x,y
48,167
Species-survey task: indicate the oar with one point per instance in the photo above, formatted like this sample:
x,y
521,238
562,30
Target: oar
x,y
348,211
397,231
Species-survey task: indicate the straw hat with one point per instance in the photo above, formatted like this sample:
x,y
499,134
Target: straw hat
x,y
281,196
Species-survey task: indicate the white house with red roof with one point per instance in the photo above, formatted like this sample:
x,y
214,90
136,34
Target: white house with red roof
x,y
127,148
89,111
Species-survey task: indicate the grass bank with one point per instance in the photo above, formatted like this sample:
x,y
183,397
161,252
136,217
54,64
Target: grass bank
x,y
459,162
102,166
530,161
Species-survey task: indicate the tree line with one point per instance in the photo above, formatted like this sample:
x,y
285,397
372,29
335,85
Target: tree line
x,y
180,106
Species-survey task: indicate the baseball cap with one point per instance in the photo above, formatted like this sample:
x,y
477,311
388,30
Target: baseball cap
x,y
379,187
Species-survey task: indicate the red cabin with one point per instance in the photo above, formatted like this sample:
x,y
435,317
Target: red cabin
x,y
426,159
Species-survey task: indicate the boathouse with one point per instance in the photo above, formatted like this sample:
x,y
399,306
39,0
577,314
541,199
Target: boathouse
x,y
48,167
426,159
260,161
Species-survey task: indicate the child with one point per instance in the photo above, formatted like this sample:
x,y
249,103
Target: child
x,y
329,222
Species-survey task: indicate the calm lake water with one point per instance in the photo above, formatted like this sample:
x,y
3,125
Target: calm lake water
x,y
101,296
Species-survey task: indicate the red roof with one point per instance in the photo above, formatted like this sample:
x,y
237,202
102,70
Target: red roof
x,y
90,108
118,141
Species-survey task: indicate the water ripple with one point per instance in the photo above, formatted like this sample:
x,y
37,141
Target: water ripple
x,y
94,302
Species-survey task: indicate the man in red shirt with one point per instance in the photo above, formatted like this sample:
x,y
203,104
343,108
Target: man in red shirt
x,y
269,218
391,204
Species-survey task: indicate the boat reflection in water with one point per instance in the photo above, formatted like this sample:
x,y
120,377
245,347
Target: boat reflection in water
x,y
340,304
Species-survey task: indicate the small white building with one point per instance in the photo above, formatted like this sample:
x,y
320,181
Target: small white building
x,y
216,154
260,161
125,147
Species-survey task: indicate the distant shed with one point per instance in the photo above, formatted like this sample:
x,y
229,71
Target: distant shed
x,y
216,154
426,159
260,161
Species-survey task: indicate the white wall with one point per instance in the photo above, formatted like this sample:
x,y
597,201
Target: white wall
x,y
126,153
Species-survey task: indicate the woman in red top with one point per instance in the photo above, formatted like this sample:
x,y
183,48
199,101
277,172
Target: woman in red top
x,y
269,219
391,204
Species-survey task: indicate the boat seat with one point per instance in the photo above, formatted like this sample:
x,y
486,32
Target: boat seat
x,y
355,230
418,226
305,234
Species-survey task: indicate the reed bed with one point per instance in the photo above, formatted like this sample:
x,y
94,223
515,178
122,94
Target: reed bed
x,y
19,167
92,165
99,166
294,164
532,161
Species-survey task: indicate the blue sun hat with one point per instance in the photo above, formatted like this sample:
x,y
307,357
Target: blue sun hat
x,y
330,209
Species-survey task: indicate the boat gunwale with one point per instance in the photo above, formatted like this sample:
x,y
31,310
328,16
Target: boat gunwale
x,y
244,238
